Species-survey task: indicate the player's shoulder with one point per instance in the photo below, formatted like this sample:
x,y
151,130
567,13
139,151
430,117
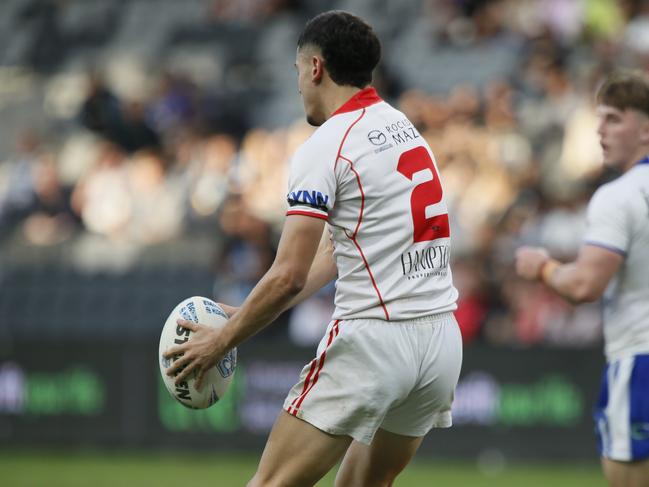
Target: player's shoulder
x,y
325,141
615,194
614,188
339,124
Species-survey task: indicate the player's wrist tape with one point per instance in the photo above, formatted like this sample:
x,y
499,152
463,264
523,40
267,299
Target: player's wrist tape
x,y
547,269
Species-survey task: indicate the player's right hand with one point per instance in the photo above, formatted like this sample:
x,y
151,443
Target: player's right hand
x,y
529,261
198,354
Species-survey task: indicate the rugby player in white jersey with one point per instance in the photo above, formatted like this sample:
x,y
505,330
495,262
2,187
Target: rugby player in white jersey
x,y
366,207
613,264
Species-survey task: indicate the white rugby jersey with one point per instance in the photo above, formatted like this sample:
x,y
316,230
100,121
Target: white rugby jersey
x,y
372,177
618,219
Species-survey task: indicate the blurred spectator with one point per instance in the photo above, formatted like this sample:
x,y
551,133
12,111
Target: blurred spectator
x,y
135,132
173,106
262,173
100,111
248,10
123,124
246,253
636,32
52,220
212,173
47,42
17,192
472,305
101,198
157,201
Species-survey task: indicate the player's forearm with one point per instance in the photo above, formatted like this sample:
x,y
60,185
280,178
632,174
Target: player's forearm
x,y
263,305
322,271
570,282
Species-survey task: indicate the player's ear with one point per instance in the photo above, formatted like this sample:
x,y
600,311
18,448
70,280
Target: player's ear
x,y
644,129
317,69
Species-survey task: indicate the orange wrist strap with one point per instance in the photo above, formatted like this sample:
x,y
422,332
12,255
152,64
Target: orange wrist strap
x,y
547,269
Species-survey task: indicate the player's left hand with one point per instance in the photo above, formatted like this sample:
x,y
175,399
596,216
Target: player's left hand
x,y
529,261
229,310
198,354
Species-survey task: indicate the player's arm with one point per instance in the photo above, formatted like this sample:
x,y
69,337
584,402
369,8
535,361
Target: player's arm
x,y
581,281
283,282
323,270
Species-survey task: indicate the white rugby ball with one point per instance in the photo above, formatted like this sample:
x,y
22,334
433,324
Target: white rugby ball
x,y
216,381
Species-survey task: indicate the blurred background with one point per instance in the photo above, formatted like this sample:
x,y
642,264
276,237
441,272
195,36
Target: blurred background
x,y
143,159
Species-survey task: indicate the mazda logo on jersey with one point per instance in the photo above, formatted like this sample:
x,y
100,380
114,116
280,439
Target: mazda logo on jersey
x,y
376,137
314,199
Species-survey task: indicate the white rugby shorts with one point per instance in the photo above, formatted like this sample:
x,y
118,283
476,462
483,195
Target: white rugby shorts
x,y
370,374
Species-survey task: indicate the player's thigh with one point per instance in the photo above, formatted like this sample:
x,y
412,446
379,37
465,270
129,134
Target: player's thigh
x,y
297,454
626,474
377,464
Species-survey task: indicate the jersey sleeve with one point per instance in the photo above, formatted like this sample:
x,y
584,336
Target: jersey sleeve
x,y
607,222
312,183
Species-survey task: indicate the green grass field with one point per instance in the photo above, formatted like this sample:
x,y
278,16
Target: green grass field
x,y
95,469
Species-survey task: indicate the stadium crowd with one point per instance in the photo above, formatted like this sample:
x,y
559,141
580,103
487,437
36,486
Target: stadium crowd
x,y
518,151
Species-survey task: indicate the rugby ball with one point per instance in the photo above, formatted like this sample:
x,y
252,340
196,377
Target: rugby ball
x,y
216,381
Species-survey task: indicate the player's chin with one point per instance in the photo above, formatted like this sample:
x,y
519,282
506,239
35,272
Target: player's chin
x,y
314,121
611,162
608,159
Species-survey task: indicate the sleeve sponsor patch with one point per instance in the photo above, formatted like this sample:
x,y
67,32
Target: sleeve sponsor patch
x,y
311,198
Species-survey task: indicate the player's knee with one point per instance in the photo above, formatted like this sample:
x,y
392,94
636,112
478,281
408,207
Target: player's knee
x,y
266,481
369,482
386,479
383,478
256,482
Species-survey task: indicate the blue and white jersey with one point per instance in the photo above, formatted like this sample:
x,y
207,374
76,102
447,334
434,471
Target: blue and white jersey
x,y
618,220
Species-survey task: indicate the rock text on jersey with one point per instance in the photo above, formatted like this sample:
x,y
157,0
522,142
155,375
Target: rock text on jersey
x,y
402,131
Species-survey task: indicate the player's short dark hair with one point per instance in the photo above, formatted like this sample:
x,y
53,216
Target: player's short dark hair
x,y
625,89
349,46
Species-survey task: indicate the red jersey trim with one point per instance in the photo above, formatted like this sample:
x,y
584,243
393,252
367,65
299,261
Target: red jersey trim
x,y
370,92
342,142
352,237
360,187
362,99
369,271
306,213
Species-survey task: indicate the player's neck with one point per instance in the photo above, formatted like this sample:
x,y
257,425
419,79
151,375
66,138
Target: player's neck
x,y
337,96
641,153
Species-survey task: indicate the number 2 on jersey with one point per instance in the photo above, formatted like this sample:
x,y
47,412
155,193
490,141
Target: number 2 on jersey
x,y
424,195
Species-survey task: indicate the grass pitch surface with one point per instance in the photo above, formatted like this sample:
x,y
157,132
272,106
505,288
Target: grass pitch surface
x,y
97,469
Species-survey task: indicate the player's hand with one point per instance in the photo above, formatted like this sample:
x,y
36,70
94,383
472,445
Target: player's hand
x,y
529,261
198,354
229,310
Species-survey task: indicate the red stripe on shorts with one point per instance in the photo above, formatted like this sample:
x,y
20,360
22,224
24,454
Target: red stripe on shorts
x,y
306,383
332,333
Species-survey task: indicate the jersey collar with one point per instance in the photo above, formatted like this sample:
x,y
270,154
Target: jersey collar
x,y
362,99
